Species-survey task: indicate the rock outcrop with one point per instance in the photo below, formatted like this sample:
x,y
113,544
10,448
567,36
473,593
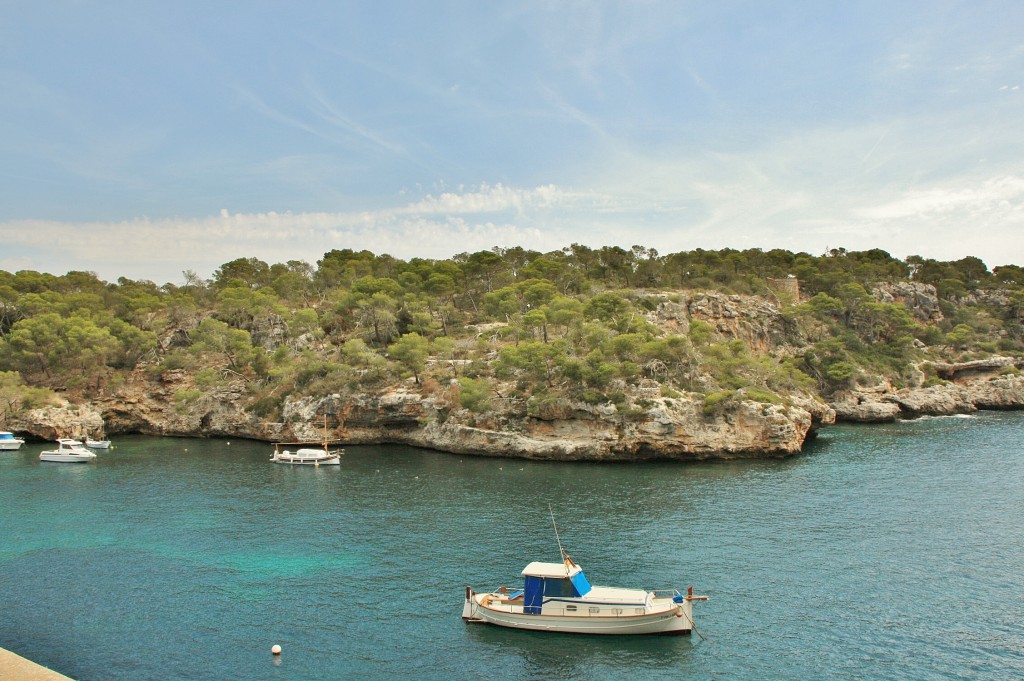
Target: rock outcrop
x,y
921,299
671,429
992,383
66,420
666,429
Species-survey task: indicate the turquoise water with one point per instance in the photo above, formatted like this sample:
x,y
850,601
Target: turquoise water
x,y
883,552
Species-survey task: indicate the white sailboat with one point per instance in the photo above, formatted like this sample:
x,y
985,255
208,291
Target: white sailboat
x,y
307,456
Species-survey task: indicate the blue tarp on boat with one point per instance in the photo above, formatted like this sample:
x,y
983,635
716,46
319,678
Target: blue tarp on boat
x,y
534,597
580,583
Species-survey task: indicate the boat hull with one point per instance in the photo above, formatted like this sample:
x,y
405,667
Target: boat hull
x,y
67,458
8,442
328,462
307,461
673,619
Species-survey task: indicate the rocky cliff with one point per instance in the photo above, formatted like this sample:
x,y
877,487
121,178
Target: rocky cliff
x,y
652,421
666,429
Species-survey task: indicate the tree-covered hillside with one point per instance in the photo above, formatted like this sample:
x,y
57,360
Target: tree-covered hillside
x,y
581,323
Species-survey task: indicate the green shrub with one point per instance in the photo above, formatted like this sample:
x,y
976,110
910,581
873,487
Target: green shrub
x,y
185,399
474,394
265,406
758,395
717,402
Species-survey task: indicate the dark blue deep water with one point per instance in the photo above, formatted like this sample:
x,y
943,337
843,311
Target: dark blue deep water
x,y
883,552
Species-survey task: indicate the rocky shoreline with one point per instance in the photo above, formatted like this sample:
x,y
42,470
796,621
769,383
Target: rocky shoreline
x,y
976,388
666,429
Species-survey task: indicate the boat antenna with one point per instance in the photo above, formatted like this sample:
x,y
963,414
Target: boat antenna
x,y
561,551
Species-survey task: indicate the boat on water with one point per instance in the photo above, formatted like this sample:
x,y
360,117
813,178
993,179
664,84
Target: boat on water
x,y
8,442
97,444
68,451
559,597
306,456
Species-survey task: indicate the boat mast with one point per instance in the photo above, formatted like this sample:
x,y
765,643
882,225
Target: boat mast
x,y
561,551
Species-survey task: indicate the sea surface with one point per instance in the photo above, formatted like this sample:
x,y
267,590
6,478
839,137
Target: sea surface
x,y
883,552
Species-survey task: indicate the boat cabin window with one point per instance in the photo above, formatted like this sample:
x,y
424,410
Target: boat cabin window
x,y
558,587
570,608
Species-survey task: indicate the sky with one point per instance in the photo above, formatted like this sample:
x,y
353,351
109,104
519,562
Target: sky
x,y
145,139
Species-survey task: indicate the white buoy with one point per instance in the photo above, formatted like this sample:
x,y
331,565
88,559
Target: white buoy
x,y
275,649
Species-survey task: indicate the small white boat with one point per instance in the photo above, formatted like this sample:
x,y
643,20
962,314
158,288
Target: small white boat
x,y
68,451
306,456
97,444
8,442
558,597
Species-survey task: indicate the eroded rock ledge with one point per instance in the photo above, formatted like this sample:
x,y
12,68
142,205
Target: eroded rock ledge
x,y
975,385
665,429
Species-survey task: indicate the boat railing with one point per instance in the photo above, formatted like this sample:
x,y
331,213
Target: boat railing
x,y
666,593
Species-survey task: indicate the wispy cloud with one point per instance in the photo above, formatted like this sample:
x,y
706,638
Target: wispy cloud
x,y
433,227
339,129
329,112
746,212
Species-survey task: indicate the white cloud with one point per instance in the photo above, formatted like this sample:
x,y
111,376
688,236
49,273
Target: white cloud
x,y
998,196
434,227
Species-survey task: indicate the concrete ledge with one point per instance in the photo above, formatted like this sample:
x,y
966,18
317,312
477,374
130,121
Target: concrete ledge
x,y
16,668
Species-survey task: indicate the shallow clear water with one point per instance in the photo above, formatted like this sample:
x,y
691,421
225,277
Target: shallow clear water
x,y
883,552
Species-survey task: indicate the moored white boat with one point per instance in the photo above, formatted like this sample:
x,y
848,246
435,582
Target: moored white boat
x,y
97,444
8,442
68,451
307,456
559,597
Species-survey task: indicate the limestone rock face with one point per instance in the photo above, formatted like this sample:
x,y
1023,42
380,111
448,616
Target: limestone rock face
x,y
755,321
53,423
864,408
938,400
173,405
980,384
997,392
669,429
922,299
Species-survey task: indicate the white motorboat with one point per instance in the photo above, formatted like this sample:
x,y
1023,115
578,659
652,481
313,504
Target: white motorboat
x,y
306,456
8,442
97,444
559,597
68,451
